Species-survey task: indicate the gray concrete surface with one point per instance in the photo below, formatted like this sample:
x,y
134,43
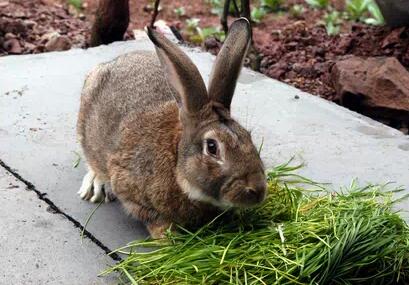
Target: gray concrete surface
x,y
39,100
39,247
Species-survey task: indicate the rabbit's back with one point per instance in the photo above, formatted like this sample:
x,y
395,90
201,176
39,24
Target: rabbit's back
x,y
131,84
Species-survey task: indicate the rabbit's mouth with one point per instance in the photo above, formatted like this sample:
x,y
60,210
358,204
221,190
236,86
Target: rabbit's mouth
x,y
236,193
244,197
196,194
244,192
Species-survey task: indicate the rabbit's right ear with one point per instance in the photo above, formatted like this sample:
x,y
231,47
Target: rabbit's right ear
x,y
182,74
229,61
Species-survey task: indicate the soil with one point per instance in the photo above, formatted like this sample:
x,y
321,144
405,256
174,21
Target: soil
x,y
295,50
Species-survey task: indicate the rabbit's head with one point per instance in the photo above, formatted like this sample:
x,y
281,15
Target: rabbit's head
x,y
217,160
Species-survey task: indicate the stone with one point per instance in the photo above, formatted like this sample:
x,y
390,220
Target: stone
x,y
58,43
13,46
30,23
395,12
374,83
29,46
344,45
15,26
9,36
277,70
212,42
393,38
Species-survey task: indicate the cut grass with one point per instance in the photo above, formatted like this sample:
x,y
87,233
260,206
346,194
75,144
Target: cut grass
x,y
302,234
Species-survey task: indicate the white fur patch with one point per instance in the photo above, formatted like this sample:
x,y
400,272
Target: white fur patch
x,y
91,189
195,193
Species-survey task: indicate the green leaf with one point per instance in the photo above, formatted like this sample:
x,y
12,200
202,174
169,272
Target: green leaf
x,y
257,14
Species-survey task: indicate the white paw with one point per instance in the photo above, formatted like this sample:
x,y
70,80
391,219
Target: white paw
x,y
98,194
85,191
92,189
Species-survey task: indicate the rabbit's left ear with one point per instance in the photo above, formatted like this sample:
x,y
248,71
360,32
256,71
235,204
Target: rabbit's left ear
x,y
182,74
229,61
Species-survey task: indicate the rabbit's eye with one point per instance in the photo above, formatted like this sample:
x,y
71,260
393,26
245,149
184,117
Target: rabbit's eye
x,y
211,146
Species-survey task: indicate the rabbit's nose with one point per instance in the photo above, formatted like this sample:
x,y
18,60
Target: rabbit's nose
x,y
256,182
255,194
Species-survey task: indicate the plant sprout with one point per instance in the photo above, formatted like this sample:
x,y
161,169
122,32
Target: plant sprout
x,y
296,11
257,14
332,21
270,5
180,11
320,4
77,4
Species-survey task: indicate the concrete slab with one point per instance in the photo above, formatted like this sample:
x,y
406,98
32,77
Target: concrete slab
x,y
39,99
39,247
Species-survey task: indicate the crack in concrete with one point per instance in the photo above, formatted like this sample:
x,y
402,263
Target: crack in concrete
x,y
56,210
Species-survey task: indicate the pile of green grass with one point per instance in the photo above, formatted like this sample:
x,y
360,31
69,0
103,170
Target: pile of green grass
x,y
302,234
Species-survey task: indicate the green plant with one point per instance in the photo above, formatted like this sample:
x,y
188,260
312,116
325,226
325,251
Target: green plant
x,y
357,8
377,17
212,32
192,24
271,5
198,35
217,6
332,22
257,14
366,11
296,11
77,4
320,4
302,234
180,11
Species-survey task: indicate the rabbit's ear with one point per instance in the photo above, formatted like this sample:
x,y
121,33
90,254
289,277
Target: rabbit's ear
x,y
229,62
182,74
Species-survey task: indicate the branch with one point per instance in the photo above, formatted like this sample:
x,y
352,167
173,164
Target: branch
x,y
223,19
155,13
236,9
245,10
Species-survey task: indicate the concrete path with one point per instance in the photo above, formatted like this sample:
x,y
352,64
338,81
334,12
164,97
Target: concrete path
x,y
40,246
39,100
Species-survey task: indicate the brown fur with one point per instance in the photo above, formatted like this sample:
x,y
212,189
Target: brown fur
x,y
150,147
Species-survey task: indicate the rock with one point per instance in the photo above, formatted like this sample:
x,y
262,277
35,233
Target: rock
x,y
395,12
4,4
211,42
318,51
277,70
13,46
47,36
29,46
14,26
265,62
377,83
9,36
344,45
58,42
305,69
393,38
30,23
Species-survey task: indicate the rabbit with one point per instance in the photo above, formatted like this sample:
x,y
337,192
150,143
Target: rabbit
x,y
168,146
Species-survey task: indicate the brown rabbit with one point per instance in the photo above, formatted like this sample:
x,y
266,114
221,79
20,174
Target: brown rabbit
x,y
169,147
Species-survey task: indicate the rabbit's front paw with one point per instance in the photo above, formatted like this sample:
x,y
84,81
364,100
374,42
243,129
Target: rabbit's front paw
x,y
92,189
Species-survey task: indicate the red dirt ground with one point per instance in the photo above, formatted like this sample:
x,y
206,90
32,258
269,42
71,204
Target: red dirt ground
x,y
297,51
